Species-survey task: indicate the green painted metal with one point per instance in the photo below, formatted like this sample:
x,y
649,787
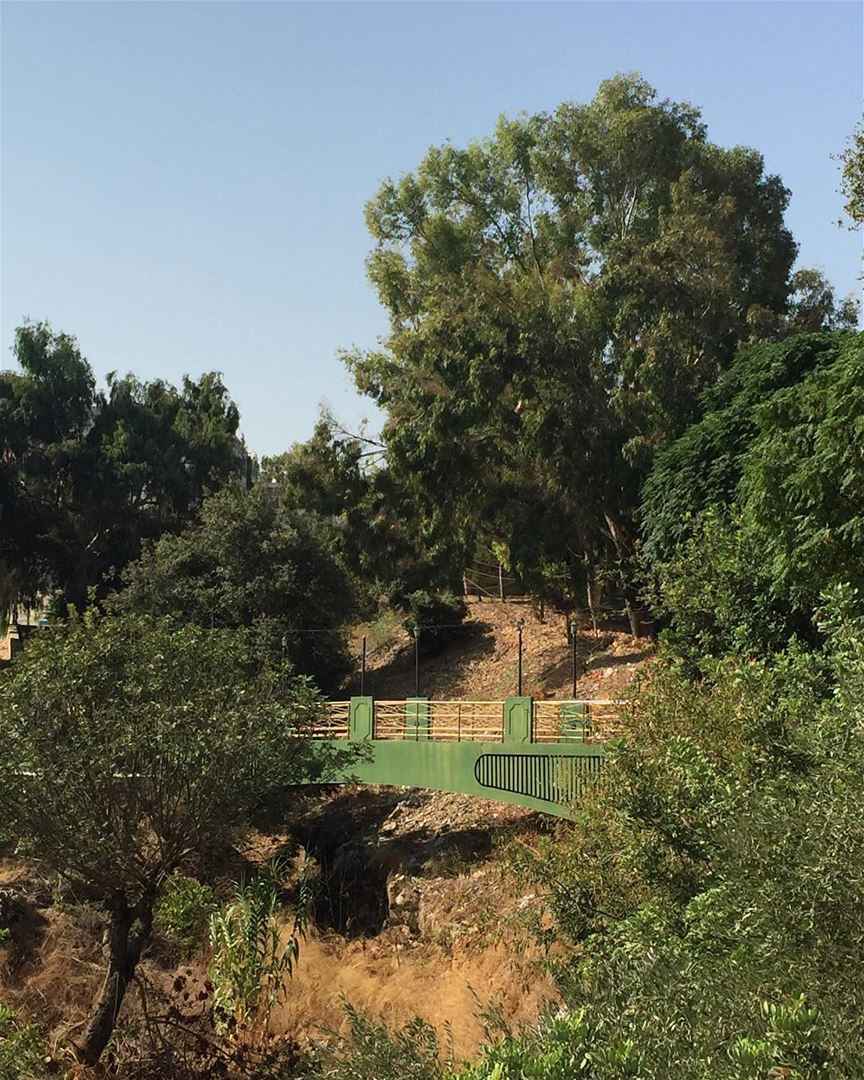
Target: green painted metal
x,y
361,718
518,716
550,777
575,723
417,718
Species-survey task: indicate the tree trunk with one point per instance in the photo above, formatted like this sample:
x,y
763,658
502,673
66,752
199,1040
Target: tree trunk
x,y
593,598
124,952
624,550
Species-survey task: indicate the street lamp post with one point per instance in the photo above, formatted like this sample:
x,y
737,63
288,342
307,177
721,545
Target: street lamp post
x,y
416,661
573,653
519,625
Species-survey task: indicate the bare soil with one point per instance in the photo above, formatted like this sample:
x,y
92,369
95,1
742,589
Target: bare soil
x,y
481,662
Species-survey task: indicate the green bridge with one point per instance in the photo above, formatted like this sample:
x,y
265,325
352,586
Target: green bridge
x,y
538,754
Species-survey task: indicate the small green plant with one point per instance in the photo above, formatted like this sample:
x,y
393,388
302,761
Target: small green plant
x,y
438,617
183,912
382,630
253,957
375,1052
23,1055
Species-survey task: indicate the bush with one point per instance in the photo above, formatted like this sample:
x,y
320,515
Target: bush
x,y
375,1052
253,958
251,562
439,617
23,1055
182,912
713,893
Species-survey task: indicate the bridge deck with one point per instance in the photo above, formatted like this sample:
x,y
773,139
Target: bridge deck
x,y
540,754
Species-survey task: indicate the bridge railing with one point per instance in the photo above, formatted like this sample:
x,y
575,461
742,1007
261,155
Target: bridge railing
x,y
514,720
332,722
466,721
595,720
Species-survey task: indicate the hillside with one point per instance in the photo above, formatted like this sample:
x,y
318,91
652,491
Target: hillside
x,y
481,663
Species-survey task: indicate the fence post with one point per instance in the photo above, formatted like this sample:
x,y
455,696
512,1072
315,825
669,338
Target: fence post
x,y
417,718
360,718
518,717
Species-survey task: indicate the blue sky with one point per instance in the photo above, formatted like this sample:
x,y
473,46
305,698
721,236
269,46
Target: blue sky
x,y
183,183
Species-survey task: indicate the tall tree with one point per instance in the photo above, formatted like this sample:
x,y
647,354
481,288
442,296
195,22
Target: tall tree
x,y
88,475
852,181
559,294
253,561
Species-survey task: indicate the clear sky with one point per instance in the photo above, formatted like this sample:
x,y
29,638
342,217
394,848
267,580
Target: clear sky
x,y
183,183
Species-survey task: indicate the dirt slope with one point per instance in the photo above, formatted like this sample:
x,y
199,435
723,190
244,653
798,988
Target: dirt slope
x,y
481,664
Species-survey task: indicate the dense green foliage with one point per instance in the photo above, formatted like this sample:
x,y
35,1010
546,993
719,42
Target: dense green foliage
x,y
87,475
715,888
703,467
182,912
130,746
559,295
759,507
251,560
93,701
435,617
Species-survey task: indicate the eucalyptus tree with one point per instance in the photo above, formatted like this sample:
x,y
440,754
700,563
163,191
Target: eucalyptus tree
x,y
559,293
852,180
758,509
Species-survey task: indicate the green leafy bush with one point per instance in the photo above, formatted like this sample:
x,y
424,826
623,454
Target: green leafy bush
x,y
23,1055
183,910
252,562
437,616
374,1051
713,892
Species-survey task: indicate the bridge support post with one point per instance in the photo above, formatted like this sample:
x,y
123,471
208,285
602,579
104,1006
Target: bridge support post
x,y
417,718
361,718
518,719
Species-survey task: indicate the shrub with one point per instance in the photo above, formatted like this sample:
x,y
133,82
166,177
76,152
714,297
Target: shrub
x,y
23,1055
376,1052
437,616
251,960
182,912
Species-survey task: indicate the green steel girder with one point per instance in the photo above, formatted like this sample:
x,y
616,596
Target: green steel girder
x,y
549,777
